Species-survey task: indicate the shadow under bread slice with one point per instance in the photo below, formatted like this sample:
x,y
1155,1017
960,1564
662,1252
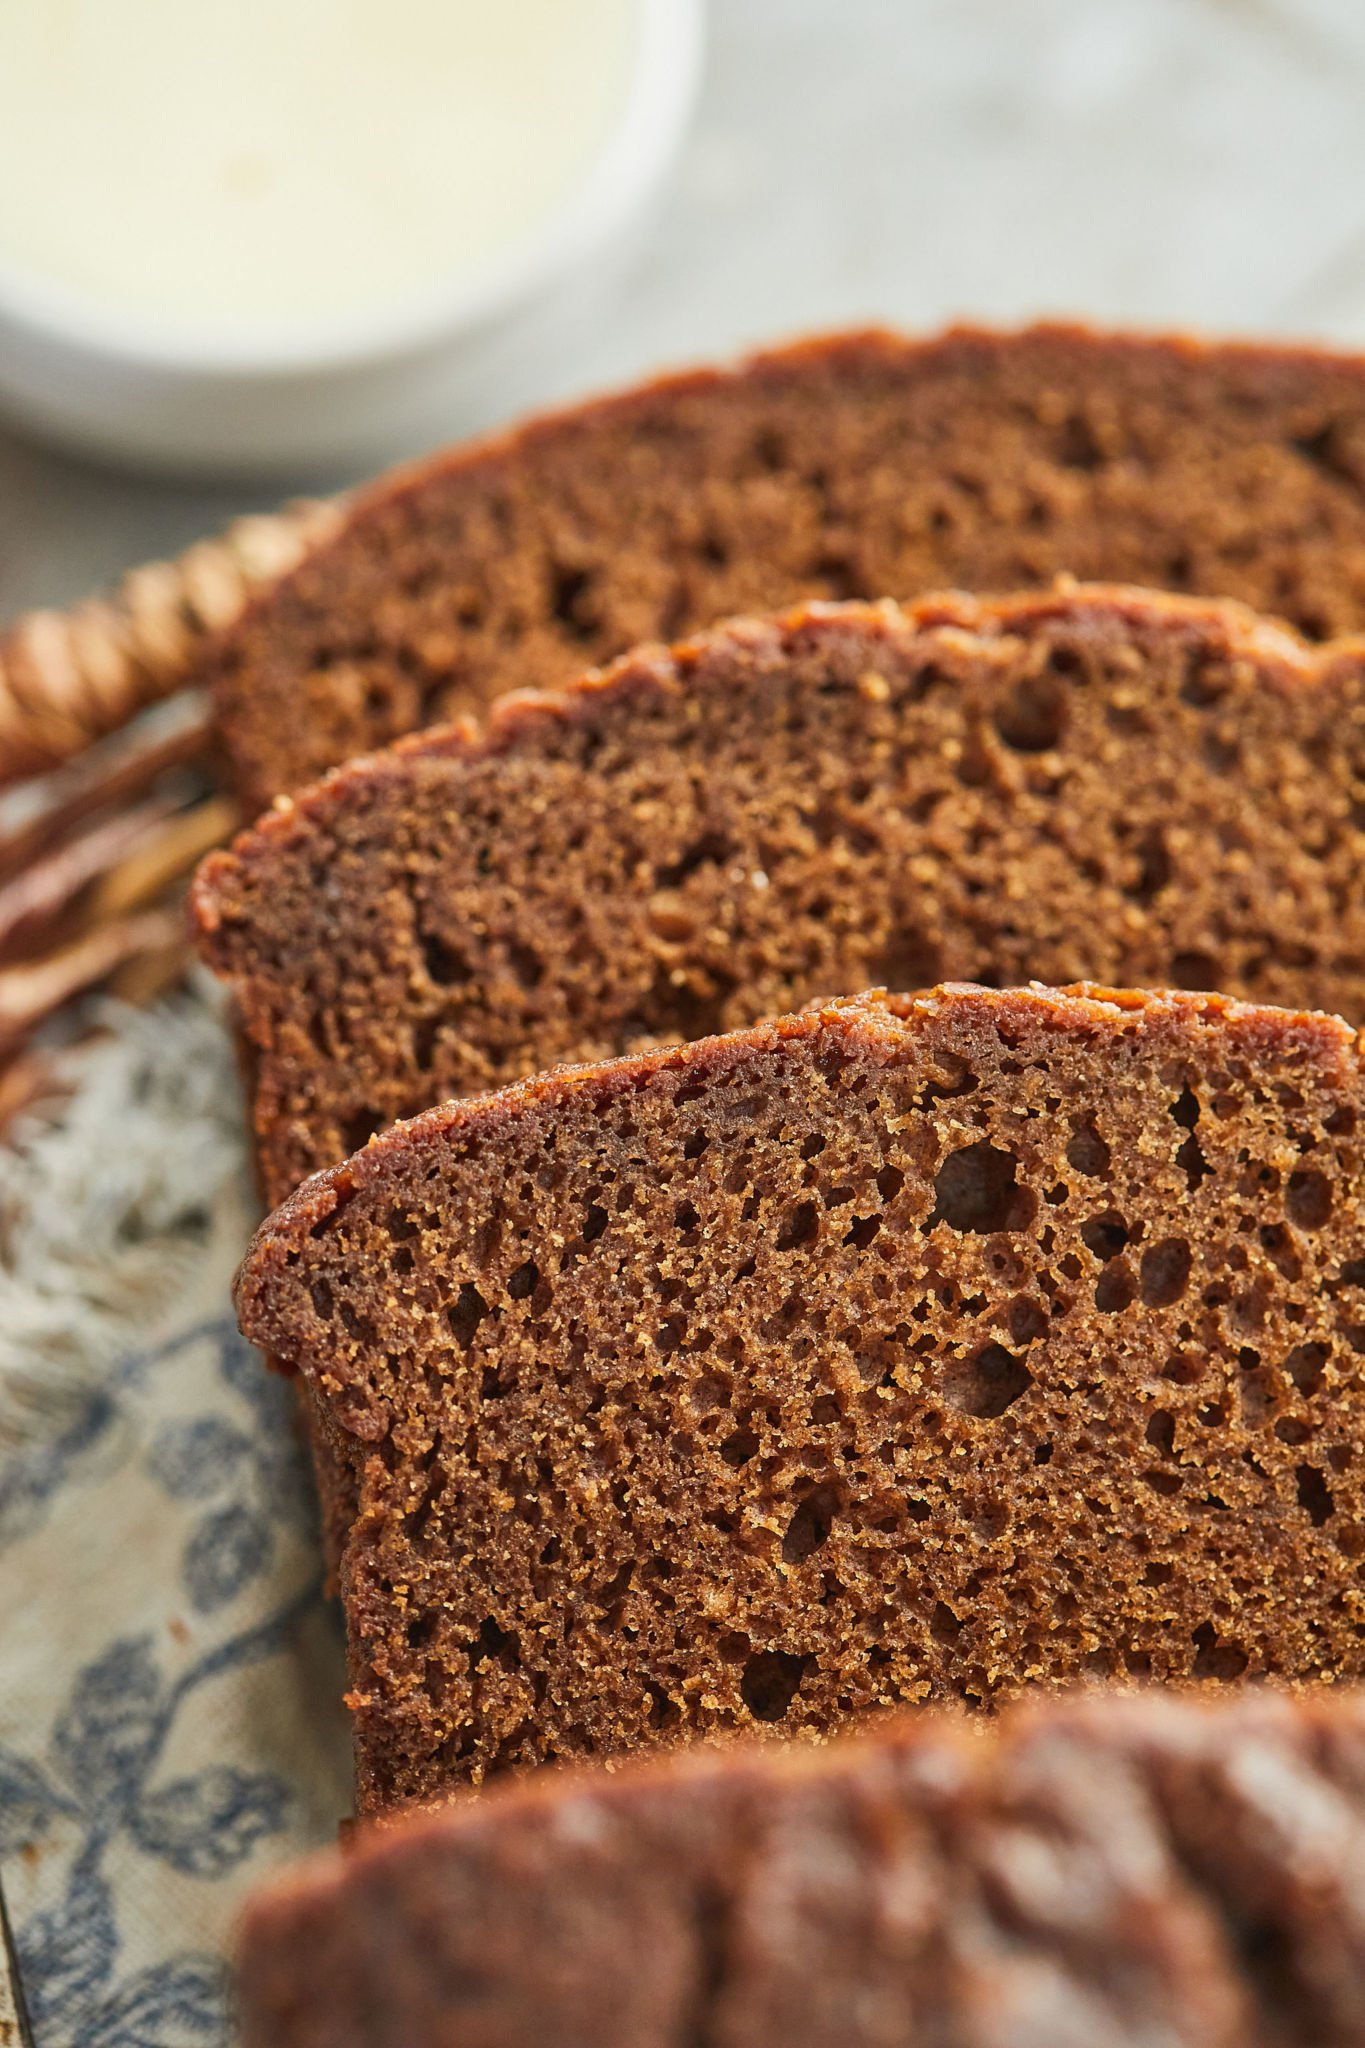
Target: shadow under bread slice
x,y
1091,783
1108,1872
912,1348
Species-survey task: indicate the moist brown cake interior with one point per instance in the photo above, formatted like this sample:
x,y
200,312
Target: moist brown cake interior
x,y
857,466
1108,1873
909,1349
1088,783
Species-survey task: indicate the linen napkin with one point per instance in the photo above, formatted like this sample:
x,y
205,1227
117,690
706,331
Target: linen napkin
x,y
170,1676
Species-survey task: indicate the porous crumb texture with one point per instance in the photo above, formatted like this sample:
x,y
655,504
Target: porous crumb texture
x,y
860,466
1115,1873
1094,783
904,1350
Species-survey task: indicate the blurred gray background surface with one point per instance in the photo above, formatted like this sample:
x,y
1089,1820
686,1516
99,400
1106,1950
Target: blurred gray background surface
x,y
1188,163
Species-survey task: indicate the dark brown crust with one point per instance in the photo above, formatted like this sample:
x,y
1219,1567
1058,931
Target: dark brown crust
x,y
518,714
1112,1870
1152,393
1328,1040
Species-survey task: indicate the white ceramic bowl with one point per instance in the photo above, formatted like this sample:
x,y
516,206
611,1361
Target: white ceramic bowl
x,y
358,387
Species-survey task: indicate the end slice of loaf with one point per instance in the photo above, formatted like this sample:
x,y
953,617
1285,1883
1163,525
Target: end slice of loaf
x,y
853,466
1094,784
907,1349
1111,1873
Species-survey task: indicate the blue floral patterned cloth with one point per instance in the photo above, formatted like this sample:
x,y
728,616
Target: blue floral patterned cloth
x,y
170,1719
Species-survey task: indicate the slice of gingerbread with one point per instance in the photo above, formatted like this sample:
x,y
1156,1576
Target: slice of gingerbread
x,y
1105,1873
919,1348
1105,785
848,466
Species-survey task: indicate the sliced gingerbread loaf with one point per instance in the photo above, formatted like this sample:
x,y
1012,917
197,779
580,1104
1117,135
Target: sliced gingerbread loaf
x,y
1115,1872
861,465
1092,783
916,1348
